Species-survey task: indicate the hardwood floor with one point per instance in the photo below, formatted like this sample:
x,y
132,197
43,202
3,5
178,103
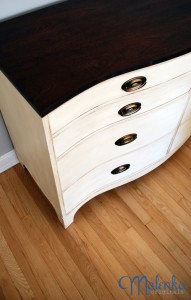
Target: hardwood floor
x,y
142,228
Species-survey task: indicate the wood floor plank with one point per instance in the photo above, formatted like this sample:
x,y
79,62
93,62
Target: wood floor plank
x,y
14,270
7,287
166,188
42,271
173,181
149,258
99,263
16,198
172,210
17,248
114,247
73,242
177,167
122,239
138,243
186,148
134,189
115,268
117,206
169,229
173,213
108,218
51,260
182,157
186,205
154,244
171,246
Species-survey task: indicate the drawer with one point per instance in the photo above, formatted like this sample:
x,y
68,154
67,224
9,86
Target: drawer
x,y
183,133
101,177
100,147
106,114
111,89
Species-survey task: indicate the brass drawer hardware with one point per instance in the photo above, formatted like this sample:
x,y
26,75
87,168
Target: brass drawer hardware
x,y
129,109
120,169
126,139
134,84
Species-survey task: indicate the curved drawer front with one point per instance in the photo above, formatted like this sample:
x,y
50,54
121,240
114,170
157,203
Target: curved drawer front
x,y
101,147
90,184
104,115
112,89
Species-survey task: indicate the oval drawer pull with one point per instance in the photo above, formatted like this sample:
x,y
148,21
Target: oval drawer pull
x,y
134,84
129,109
120,169
126,139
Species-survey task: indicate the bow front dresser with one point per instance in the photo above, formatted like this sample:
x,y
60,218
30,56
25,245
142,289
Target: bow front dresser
x,y
96,93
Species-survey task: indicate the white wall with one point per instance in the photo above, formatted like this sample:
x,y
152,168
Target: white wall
x,y
9,9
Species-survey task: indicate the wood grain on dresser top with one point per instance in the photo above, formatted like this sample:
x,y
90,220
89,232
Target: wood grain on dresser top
x,y
53,54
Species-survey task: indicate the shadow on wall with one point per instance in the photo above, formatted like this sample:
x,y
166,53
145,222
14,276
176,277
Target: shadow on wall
x,y
5,142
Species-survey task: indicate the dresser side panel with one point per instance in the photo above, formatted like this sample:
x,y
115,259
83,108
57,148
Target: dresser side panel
x,y
27,133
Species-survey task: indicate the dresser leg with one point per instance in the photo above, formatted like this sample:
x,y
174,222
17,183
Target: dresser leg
x,y
20,161
22,165
67,220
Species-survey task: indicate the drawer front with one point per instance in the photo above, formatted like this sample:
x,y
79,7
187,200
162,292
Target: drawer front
x,y
112,89
107,114
100,147
101,177
183,133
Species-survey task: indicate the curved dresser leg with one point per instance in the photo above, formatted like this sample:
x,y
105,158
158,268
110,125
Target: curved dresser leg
x,y
67,219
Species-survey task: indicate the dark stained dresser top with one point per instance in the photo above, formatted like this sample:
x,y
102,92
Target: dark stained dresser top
x,y
57,52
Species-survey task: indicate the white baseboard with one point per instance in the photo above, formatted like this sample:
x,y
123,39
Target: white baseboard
x,y
8,160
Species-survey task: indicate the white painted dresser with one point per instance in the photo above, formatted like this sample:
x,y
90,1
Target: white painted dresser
x,y
81,150
94,99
